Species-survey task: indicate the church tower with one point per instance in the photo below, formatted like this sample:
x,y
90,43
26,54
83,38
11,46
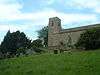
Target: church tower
x,y
53,31
54,25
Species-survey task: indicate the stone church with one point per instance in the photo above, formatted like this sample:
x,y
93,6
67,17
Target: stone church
x,y
64,38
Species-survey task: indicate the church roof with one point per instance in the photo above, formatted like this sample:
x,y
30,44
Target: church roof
x,y
80,28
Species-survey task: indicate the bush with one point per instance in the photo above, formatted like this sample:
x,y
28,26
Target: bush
x,y
37,43
37,50
21,50
90,39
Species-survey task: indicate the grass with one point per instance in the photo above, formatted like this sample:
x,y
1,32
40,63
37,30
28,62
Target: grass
x,y
76,63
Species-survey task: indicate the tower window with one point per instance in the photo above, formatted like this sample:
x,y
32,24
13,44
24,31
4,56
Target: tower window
x,y
51,23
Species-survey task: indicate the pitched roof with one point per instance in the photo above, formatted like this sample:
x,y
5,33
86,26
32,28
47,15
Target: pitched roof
x,y
80,28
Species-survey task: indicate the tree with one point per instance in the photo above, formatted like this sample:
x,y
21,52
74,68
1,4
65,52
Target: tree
x,y
43,34
37,43
14,41
90,39
5,43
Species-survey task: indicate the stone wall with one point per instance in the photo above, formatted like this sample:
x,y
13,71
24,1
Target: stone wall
x,y
58,37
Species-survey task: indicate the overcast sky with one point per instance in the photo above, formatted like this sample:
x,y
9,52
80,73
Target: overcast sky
x,y
31,15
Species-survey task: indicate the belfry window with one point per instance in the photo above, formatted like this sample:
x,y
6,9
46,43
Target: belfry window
x,y
51,23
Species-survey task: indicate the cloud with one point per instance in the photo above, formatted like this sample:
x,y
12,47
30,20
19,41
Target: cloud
x,y
41,18
67,18
12,27
9,9
49,2
12,12
94,5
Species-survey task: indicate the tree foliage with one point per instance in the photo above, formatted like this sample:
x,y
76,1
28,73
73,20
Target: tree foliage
x,y
90,39
43,34
14,41
37,43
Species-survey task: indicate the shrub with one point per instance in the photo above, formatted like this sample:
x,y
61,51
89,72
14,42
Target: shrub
x,y
37,50
90,39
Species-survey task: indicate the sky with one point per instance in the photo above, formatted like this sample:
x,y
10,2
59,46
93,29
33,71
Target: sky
x,y
29,16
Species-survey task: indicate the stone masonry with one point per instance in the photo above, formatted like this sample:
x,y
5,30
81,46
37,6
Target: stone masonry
x,y
64,38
